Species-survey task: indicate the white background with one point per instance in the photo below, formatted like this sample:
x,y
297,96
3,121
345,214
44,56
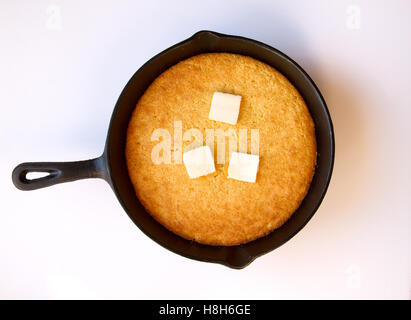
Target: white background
x,y
63,65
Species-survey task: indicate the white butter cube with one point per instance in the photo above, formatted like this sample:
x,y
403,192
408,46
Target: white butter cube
x,y
199,162
243,166
225,107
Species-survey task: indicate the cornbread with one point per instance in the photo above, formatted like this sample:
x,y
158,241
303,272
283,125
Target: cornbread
x,y
214,209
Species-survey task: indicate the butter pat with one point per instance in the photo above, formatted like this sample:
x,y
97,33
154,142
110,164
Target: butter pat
x,y
199,162
243,166
225,107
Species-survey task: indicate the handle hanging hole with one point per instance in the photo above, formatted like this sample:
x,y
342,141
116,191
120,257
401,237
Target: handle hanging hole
x,y
36,175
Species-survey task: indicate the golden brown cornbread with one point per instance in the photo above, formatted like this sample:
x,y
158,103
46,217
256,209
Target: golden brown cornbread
x,y
214,209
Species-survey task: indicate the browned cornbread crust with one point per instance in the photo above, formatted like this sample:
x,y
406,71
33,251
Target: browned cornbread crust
x,y
214,209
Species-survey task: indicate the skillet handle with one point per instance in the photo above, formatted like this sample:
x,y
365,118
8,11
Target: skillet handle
x,y
58,172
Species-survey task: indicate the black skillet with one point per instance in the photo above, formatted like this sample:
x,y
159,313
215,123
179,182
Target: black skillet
x,y
111,166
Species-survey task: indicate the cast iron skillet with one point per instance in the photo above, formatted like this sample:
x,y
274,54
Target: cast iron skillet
x,y
111,166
